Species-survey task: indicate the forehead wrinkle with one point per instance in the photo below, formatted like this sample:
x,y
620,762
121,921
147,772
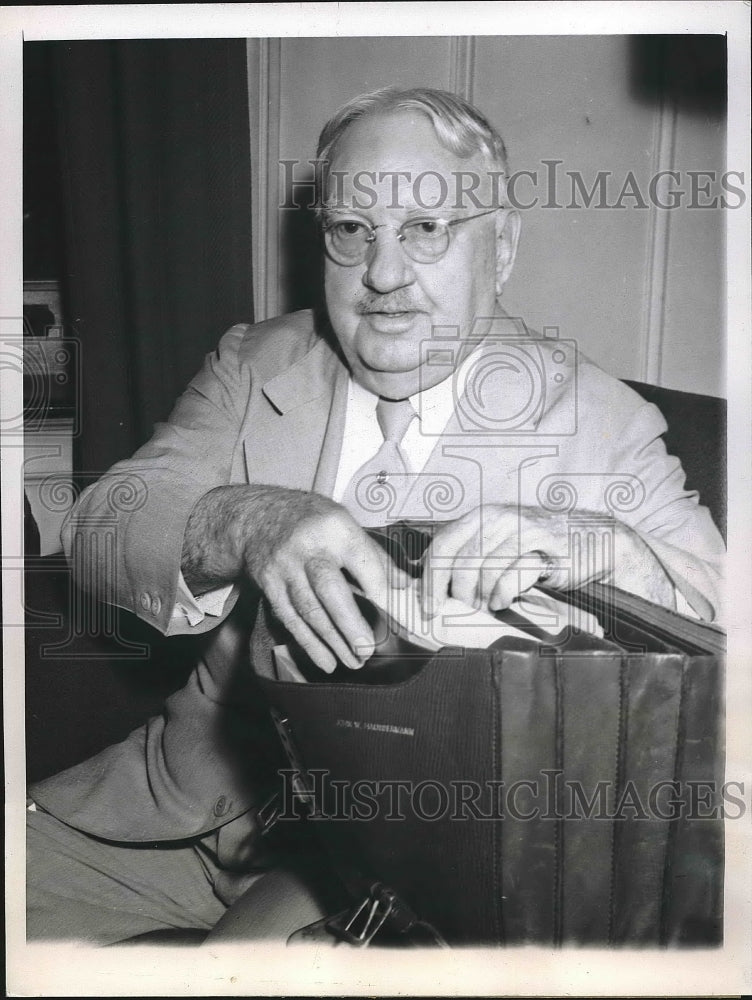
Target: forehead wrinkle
x,y
401,141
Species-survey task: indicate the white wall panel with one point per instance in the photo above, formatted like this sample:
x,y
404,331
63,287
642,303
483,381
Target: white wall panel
x,y
581,269
320,74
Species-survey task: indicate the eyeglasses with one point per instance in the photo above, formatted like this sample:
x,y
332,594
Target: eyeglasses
x,y
424,240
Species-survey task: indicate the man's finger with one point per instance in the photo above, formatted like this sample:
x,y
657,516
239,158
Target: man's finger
x,y
439,561
373,569
523,574
336,597
505,590
307,604
302,633
465,580
501,562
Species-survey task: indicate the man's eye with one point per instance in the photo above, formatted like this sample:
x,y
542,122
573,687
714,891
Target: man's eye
x,y
348,228
426,227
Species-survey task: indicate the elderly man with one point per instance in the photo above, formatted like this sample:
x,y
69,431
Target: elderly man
x,y
416,398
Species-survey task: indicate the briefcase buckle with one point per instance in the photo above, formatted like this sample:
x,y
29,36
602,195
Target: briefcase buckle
x,y
362,923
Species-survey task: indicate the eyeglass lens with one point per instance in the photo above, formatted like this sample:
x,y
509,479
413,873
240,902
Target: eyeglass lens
x,y
424,240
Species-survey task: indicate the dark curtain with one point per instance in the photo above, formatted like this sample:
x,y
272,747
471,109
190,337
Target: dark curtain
x,y
155,166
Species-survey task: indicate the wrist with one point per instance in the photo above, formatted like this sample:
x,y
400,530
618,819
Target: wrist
x,y
213,541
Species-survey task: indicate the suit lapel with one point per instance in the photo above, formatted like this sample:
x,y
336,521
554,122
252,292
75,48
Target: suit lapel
x,y
326,471
289,422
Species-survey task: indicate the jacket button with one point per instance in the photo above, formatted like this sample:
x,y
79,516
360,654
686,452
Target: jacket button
x,y
156,605
222,806
146,601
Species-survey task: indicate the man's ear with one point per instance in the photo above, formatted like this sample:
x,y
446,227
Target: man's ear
x,y
508,225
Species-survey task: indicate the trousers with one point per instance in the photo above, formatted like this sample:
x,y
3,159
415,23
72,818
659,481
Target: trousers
x,y
82,888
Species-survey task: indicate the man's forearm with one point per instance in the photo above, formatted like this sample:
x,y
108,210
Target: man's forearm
x,y
229,519
216,535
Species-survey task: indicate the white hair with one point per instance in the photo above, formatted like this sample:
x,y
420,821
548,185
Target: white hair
x,y
459,126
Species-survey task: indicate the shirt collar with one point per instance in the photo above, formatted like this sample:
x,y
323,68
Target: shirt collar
x,y
434,406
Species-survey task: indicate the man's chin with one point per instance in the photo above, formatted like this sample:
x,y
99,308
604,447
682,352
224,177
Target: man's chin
x,y
394,365
398,384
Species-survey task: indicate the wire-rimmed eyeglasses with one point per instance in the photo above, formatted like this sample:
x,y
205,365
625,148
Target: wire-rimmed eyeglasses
x,y
424,240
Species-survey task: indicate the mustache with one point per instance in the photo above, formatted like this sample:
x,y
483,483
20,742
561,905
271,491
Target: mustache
x,y
393,302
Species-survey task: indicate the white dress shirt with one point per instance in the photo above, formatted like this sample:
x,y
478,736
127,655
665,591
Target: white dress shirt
x,y
362,437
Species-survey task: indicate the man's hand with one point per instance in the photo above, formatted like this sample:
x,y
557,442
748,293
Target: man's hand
x,y
491,555
296,546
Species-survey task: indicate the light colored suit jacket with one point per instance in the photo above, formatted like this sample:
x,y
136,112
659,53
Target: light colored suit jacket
x,y
538,424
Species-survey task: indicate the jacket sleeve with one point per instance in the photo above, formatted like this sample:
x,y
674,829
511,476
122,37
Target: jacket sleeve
x,y
124,536
669,518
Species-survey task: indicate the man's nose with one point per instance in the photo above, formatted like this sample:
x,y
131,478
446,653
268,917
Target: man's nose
x,y
387,265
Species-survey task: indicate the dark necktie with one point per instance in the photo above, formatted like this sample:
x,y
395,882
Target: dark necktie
x,y
380,485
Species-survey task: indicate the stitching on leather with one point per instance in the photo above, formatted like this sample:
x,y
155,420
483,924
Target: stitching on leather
x,y
558,886
496,670
622,734
668,857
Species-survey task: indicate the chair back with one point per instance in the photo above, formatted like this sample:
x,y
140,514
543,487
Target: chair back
x,y
697,436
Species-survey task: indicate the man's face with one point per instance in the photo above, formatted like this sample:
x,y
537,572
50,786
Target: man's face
x,y
384,311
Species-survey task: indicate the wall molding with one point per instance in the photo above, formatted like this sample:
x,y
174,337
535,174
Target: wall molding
x,y
462,66
656,273
264,56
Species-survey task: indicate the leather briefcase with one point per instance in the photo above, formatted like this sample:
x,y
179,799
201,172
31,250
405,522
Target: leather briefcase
x,y
556,792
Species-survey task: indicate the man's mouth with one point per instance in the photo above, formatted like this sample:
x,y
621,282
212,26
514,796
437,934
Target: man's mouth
x,y
392,321
390,312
